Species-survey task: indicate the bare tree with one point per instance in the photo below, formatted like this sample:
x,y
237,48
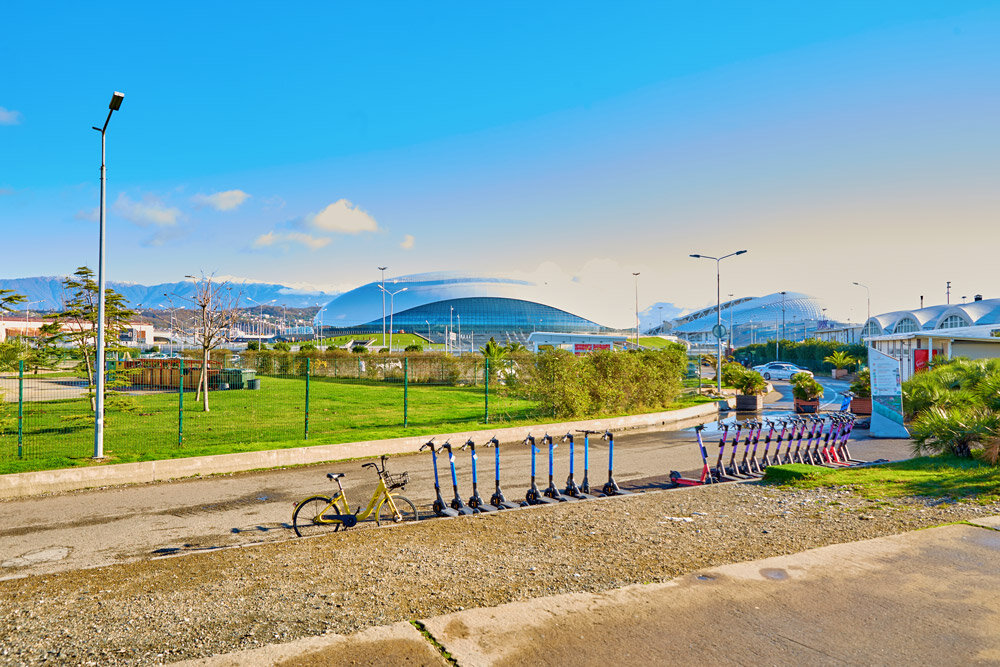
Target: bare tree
x,y
218,305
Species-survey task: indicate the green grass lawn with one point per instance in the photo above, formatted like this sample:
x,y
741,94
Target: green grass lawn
x,y
654,342
935,476
399,340
241,420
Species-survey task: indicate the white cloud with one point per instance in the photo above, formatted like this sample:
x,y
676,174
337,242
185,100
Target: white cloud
x,y
150,211
9,117
343,217
407,243
271,239
227,200
91,216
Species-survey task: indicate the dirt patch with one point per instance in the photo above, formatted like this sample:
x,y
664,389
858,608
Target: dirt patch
x,y
235,599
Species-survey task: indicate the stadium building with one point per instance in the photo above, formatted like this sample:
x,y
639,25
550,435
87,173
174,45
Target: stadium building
x,y
788,315
431,304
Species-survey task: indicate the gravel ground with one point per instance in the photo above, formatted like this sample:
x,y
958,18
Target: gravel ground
x,y
202,604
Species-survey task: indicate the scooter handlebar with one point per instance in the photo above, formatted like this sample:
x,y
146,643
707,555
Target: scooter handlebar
x,y
568,436
445,445
607,435
468,443
529,440
492,442
429,443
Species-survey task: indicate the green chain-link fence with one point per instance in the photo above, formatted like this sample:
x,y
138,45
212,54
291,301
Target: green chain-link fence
x,y
155,411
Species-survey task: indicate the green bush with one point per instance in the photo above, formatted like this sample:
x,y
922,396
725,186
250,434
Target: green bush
x,y
359,349
414,348
805,387
282,346
750,383
307,347
604,382
862,385
812,353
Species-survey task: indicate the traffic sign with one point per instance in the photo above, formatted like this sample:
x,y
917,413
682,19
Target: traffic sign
x,y
719,331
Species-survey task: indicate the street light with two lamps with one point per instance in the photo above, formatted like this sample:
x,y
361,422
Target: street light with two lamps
x,y
717,331
392,309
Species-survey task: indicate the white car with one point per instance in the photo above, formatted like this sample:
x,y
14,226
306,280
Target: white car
x,y
780,370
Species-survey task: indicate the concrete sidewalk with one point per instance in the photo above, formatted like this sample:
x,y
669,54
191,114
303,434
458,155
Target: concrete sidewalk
x,y
924,597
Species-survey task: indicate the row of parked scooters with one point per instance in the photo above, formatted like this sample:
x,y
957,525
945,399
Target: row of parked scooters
x,y
815,440
819,440
534,495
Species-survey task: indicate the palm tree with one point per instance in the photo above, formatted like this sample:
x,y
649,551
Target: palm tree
x,y
513,347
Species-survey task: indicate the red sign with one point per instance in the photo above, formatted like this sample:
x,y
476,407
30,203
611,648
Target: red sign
x,y
920,360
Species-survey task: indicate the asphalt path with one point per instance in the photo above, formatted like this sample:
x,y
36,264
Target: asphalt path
x,y
59,532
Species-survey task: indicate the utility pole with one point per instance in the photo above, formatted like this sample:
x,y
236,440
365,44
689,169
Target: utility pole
x,y
636,275
947,292
382,269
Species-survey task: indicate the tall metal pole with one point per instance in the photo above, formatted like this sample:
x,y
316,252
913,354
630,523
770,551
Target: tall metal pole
x,y
718,313
636,275
116,102
382,269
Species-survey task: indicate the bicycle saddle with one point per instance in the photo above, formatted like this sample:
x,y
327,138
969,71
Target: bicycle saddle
x,y
334,475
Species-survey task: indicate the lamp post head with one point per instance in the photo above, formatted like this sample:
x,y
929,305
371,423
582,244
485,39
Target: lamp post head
x,y
116,101
694,255
739,252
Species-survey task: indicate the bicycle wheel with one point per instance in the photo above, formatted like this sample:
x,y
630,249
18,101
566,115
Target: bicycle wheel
x,y
306,512
407,511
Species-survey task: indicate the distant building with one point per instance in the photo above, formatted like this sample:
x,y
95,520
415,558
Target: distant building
x,y
792,315
136,333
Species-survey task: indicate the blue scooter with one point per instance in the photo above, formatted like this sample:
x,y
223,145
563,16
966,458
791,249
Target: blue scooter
x,y
439,506
552,492
533,495
611,487
475,501
572,490
456,503
498,500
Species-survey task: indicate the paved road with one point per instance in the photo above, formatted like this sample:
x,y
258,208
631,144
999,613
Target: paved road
x,y
100,527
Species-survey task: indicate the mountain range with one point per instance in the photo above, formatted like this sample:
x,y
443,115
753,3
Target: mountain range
x,y
47,293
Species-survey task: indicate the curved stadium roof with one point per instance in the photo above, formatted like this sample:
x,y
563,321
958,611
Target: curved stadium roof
x,y
943,316
482,303
765,310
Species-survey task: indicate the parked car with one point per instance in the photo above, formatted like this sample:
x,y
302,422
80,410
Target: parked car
x,y
780,370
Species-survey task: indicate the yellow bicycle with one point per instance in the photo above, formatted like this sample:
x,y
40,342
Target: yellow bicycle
x,y
319,513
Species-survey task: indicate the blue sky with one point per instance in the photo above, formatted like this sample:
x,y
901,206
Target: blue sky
x,y
309,143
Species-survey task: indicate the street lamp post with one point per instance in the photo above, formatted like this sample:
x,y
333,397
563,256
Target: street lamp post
x,y
718,312
779,336
382,288
392,309
459,318
451,325
868,293
428,323
635,274
115,104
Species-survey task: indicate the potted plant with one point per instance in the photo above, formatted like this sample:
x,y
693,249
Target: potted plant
x,y
751,386
841,361
806,391
861,404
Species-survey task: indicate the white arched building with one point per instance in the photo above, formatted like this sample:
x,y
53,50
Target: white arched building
x,y
949,330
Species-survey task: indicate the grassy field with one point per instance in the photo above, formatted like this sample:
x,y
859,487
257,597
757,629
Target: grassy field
x,y
58,434
933,476
399,340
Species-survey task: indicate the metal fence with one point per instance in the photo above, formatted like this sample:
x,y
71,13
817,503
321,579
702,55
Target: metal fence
x,y
154,409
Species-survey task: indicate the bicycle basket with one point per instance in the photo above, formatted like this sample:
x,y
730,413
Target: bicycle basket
x,y
397,481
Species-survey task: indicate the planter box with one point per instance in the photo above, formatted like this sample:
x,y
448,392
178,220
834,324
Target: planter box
x,y
861,406
745,403
839,373
806,406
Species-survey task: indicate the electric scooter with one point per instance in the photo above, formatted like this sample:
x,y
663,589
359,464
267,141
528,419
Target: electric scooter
x,y
706,475
611,488
456,503
732,468
764,461
585,484
552,491
439,506
533,495
475,501
719,471
744,467
776,459
498,500
572,490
